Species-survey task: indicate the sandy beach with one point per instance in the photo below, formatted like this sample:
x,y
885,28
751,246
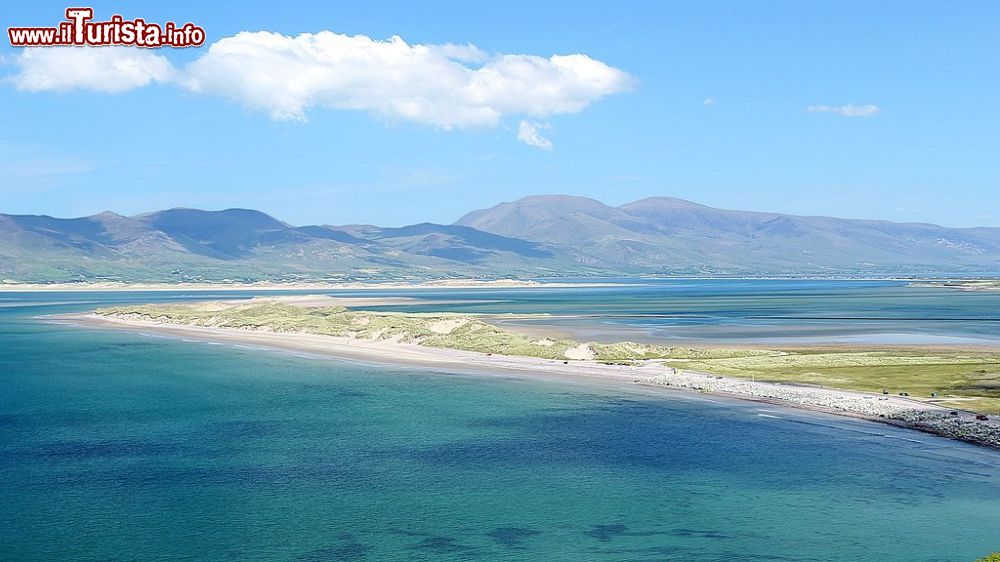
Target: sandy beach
x,y
896,410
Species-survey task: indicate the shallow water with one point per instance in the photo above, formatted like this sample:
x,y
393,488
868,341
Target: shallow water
x,y
122,446
761,312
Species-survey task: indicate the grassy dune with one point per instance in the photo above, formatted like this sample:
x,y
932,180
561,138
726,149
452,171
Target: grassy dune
x,y
964,379
454,331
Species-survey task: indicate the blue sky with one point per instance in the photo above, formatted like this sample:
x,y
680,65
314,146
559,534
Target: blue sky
x,y
713,107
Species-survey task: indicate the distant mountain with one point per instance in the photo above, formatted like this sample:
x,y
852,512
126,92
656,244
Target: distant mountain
x,y
667,235
246,245
548,235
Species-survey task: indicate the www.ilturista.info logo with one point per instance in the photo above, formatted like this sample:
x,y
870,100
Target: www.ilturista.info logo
x,y
79,30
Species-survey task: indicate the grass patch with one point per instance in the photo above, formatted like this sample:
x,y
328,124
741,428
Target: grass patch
x,y
967,380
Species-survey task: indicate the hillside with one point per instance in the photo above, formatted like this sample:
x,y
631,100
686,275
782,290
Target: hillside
x,y
668,235
245,245
540,236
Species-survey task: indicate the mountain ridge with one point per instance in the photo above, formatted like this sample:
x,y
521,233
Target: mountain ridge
x,y
539,236
665,230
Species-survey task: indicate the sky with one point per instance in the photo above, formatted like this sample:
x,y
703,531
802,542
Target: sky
x,y
392,113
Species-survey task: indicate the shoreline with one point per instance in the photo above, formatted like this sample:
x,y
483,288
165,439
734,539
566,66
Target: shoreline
x,y
111,286
893,410
985,284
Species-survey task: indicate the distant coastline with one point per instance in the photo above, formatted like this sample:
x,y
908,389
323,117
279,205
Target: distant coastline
x,y
298,286
465,283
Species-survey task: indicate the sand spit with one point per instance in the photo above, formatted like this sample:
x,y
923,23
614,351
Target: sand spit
x,y
896,410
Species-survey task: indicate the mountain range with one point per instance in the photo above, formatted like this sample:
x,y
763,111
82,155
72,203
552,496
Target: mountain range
x,y
538,236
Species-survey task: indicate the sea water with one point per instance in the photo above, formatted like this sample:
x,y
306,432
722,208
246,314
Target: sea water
x,y
120,445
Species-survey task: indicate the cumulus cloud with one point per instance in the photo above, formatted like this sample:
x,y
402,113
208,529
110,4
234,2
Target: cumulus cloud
x,y
104,69
435,85
446,86
528,133
708,102
849,110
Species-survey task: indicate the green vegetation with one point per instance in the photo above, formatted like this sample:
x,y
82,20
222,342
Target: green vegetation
x,y
628,351
963,379
994,557
277,317
476,335
446,330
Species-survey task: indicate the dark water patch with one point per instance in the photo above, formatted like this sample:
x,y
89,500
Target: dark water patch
x,y
702,533
675,437
74,450
348,549
512,537
443,545
607,532
405,532
623,435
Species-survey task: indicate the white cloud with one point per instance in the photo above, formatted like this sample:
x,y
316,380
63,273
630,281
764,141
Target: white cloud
x,y
434,84
849,110
446,86
527,132
104,69
708,102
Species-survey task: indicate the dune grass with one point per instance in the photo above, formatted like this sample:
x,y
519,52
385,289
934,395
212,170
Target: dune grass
x,y
962,379
447,330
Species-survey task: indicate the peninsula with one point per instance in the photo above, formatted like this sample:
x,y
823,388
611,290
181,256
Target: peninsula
x,y
837,380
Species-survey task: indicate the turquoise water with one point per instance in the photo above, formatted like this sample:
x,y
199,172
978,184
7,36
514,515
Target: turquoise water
x,y
123,446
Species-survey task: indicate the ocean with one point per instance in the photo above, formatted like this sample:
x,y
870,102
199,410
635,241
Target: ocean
x,y
120,445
